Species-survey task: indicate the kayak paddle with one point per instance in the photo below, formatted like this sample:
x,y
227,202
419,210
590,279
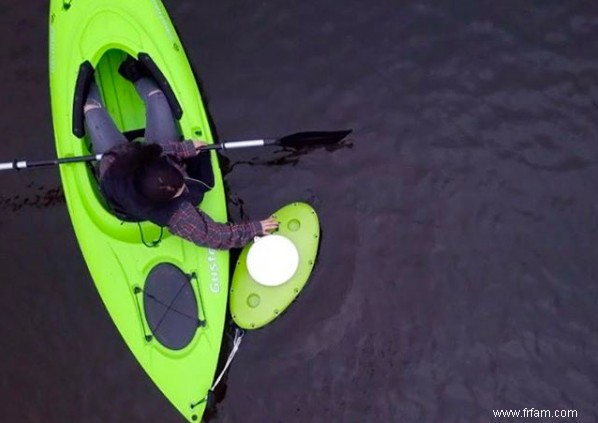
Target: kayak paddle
x,y
296,140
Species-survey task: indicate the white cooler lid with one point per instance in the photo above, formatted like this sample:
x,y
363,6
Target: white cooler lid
x,y
272,260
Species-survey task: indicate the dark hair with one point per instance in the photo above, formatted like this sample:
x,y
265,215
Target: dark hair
x,y
155,178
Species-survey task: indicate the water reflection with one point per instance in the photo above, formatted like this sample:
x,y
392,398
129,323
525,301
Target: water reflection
x,y
36,196
286,156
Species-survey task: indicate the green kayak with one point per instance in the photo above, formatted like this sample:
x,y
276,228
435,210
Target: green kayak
x,y
166,296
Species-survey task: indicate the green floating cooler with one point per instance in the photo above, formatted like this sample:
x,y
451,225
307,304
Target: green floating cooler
x,y
253,304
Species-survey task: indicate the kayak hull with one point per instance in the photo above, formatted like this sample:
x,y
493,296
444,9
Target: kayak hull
x,y
102,33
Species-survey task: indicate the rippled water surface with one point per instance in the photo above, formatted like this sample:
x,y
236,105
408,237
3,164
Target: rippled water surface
x,y
457,271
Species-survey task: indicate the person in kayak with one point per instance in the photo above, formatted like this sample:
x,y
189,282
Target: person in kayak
x,y
148,180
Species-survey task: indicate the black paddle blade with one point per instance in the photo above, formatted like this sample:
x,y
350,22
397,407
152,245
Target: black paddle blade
x,y
313,138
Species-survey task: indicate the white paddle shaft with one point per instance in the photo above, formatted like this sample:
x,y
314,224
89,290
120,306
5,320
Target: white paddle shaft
x,y
242,144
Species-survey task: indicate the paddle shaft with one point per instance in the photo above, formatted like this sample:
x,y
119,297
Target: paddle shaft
x,y
22,164
239,144
292,140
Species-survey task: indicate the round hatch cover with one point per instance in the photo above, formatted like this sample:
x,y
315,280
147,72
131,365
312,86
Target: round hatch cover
x,y
170,306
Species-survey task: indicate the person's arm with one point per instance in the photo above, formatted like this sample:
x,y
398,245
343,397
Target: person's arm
x,y
105,162
195,226
181,149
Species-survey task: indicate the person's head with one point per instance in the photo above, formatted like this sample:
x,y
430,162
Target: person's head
x,y
156,178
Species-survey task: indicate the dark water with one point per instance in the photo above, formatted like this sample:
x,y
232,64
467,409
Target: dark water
x,y
457,272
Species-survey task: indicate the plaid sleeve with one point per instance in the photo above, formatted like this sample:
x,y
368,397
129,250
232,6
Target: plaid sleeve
x,y
196,226
180,149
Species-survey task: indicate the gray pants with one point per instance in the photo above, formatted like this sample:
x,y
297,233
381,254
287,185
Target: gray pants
x,y
159,121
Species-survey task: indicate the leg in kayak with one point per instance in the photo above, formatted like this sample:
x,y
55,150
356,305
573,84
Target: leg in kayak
x,y
101,128
160,126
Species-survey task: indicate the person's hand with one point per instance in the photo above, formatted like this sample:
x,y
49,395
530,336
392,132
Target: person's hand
x,y
198,144
269,225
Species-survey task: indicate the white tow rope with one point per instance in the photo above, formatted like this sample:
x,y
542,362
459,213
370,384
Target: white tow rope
x,y
236,343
